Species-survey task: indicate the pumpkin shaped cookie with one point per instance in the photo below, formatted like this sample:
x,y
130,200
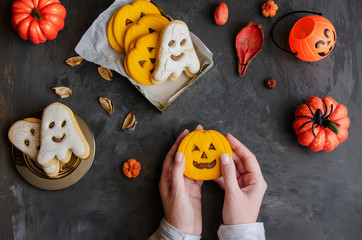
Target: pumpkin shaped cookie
x,y
148,24
140,61
129,14
110,36
202,150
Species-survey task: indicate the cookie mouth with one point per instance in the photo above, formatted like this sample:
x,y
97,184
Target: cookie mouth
x,y
204,165
175,58
58,140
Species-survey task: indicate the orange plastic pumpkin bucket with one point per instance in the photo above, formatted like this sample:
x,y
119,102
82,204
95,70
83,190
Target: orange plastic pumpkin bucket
x,y
311,38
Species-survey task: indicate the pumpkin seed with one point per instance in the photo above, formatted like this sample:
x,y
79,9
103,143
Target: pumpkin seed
x,y
105,73
107,104
129,122
74,61
62,92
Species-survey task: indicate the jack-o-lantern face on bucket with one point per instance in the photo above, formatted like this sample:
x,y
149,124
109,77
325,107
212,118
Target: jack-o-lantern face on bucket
x,y
325,46
312,38
202,150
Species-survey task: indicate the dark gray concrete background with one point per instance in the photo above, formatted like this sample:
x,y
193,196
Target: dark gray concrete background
x,y
310,195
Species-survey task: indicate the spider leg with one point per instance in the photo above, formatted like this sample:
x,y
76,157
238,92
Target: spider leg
x,y
306,124
313,130
305,117
325,105
309,108
330,112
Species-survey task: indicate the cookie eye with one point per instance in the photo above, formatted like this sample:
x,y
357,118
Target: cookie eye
x,y
27,143
32,131
51,125
195,148
183,42
63,123
171,43
212,147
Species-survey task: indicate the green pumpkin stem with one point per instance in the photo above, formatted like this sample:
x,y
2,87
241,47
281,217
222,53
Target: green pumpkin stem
x,y
332,126
36,14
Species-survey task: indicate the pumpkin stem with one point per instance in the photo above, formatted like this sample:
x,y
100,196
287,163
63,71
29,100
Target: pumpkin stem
x,y
331,126
36,14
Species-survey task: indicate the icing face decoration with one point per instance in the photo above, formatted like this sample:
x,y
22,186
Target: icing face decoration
x,y
202,150
312,38
25,135
60,136
176,54
140,62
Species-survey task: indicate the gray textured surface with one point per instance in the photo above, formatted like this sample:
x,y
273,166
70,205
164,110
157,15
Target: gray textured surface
x,y
310,195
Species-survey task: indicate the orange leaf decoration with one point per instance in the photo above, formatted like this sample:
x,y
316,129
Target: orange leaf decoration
x,y
131,168
269,9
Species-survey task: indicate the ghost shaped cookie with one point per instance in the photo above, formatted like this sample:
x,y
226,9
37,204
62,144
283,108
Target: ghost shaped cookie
x,y
25,136
175,54
60,137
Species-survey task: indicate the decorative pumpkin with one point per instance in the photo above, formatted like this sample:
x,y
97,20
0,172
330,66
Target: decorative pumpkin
x,y
131,168
202,150
312,38
147,24
124,17
269,9
140,62
39,20
321,124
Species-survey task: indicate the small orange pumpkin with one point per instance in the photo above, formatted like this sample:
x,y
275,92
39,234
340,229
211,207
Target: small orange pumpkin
x,y
312,38
131,168
202,150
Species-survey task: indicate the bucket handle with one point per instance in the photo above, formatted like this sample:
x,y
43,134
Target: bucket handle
x,y
277,21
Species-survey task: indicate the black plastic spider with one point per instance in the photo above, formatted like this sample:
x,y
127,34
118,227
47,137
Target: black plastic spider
x,y
319,119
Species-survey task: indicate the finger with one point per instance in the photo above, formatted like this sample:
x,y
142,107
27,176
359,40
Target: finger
x,y
238,164
199,127
167,164
228,173
177,177
220,181
248,158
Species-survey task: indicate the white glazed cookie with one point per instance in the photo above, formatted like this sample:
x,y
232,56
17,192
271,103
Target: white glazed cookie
x,y
175,54
60,136
25,135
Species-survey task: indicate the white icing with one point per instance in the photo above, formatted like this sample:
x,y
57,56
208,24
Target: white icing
x,y
49,169
20,131
176,31
70,140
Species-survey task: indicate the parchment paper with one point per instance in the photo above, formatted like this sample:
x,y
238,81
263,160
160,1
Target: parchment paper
x,y
94,47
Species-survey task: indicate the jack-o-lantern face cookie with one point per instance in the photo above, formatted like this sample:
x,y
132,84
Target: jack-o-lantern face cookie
x,y
25,135
124,17
175,54
202,150
140,61
60,137
148,24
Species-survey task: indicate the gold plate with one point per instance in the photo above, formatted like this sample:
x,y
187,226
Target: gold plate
x,y
69,174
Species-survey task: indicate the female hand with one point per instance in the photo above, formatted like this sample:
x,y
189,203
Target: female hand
x,y
243,183
181,196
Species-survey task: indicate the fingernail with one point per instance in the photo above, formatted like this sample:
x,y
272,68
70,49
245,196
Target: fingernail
x,y
178,156
225,159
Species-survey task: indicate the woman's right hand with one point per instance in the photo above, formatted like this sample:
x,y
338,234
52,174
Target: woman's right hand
x,y
243,183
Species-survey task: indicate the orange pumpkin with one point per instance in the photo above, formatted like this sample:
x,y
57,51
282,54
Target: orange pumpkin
x,y
312,38
321,124
202,150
